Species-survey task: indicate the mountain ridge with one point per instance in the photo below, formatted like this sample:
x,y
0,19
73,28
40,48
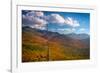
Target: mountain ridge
x,y
60,46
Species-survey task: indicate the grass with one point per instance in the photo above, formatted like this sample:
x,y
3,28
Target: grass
x,y
31,53
35,48
35,52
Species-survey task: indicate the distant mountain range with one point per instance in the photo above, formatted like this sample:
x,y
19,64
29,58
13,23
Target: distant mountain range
x,y
55,36
75,45
79,36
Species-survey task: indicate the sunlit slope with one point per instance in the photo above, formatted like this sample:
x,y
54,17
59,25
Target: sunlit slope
x,y
42,45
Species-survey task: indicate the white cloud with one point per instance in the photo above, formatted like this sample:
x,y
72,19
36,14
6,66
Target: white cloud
x,y
82,29
64,30
71,22
55,18
39,13
68,29
35,13
37,19
33,19
38,27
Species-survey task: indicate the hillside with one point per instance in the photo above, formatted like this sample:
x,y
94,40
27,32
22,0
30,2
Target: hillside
x,y
43,45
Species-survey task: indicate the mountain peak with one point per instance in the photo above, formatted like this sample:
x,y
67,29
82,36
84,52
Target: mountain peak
x,y
78,36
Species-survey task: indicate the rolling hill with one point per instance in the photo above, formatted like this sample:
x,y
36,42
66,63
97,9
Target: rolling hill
x,y
43,45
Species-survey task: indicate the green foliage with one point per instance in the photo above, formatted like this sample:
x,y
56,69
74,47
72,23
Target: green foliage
x,y
33,53
33,47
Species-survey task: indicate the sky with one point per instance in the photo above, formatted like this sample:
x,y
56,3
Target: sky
x,y
61,22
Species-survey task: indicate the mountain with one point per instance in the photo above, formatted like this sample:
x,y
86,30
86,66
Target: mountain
x,y
43,45
78,36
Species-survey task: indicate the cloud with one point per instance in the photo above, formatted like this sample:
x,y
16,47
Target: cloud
x,y
33,19
35,13
71,22
58,19
37,19
82,29
39,27
64,30
55,18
